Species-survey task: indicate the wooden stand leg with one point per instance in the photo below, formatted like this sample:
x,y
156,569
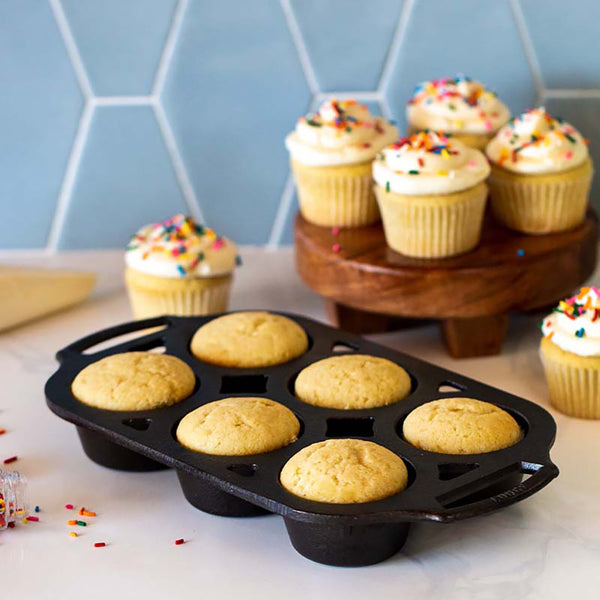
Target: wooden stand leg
x,y
477,336
356,321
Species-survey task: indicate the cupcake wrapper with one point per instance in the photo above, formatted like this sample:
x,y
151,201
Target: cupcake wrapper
x,y
432,226
574,390
540,206
210,295
336,196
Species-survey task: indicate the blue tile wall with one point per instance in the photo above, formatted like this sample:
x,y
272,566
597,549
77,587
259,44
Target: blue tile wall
x,y
125,175
347,42
40,105
120,41
565,36
185,103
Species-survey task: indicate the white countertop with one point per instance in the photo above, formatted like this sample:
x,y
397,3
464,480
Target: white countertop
x,y
545,547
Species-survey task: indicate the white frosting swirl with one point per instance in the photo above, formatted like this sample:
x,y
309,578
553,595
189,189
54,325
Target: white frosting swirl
x,y
429,163
341,132
536,143
180,248
574,325
456,105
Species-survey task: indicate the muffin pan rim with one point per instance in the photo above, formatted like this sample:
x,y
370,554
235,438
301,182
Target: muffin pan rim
x,y
535,444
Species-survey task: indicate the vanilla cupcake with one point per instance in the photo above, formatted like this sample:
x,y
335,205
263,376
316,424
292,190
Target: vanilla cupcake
x,y
459,106
431,193
331,153
178,267
541,174
570,353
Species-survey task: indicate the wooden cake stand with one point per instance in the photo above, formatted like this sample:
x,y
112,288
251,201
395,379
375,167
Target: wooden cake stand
x,y
366,285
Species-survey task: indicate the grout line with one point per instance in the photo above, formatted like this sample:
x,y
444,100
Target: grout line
x,y
66,190
301,50
528,48
360,96
385,108
285,205
394,49
71,47
570,93
123,100
169,47
178,165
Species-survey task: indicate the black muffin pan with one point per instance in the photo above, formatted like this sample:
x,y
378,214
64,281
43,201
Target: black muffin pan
x,y
442,487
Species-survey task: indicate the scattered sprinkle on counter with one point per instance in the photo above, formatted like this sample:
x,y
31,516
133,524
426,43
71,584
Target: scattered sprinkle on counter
x,y
99,544
2,431
72,534
69,506
179,542
12,459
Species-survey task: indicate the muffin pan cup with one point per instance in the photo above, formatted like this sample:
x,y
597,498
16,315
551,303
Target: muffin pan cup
x,y
442,487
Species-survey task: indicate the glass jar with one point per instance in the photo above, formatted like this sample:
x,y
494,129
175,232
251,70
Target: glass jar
x,y
13,503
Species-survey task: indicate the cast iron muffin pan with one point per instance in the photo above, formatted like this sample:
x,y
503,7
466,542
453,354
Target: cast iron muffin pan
x,y
442,488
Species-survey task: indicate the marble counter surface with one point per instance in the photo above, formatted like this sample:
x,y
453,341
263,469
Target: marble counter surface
x,y
546,547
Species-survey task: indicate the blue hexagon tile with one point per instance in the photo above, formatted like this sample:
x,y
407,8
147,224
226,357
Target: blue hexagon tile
x,y
479,39
40,105
565,38
234,90
347,40
120,41
125,181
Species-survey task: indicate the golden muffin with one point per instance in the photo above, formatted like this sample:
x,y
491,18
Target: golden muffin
x,y
352,381
238,426
460,426
249,339
344,471
134,381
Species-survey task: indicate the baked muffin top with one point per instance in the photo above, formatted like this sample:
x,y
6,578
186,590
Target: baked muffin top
x,y
238,426
352,381
344,471
249,339
134,381
461,426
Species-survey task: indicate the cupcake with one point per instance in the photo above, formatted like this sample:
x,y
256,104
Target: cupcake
x,y
352,382
460,426
459,106
431,193
331,153
178,267
249,340
541,174
134,381
344,471
570,353
238,427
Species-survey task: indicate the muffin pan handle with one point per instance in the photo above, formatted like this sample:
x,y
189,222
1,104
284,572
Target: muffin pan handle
x,y
77,348
541,475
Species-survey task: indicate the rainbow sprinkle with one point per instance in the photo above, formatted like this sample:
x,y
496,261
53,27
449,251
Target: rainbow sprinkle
x,y
179,237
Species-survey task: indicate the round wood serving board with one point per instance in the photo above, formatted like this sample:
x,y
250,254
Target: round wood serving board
x,y
365,283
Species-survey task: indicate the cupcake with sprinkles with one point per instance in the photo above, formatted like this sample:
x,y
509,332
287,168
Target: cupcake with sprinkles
x,y
431,193
459,106
331,154
179,267
541,174
570,353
